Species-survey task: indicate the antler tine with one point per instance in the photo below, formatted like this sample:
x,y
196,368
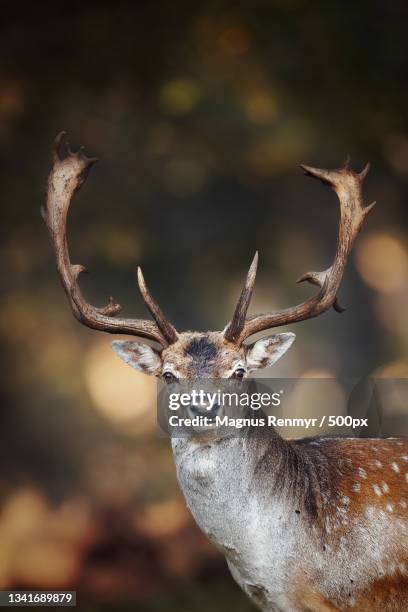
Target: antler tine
x,y
67,175
234,329
348,186
166,328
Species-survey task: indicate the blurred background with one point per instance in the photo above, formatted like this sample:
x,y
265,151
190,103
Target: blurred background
x,y
200,114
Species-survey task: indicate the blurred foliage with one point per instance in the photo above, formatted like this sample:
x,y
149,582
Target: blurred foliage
x,y
200,115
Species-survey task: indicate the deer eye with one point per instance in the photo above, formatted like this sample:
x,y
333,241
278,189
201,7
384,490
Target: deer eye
x,y
239,373
169,377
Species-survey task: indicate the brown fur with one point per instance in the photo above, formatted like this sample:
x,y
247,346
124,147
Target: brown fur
x,y
335,485
388,595
204,364
368,473
385,595
308,599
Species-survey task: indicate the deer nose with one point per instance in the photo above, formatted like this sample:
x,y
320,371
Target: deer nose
x,y
204,409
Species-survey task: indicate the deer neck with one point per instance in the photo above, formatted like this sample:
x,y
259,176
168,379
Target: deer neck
x,y
231,483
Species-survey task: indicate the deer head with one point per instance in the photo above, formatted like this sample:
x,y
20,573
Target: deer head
x,y
189,355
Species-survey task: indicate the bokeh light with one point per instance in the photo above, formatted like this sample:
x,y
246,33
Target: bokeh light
x,y
179,97
53,540
124,396
382,261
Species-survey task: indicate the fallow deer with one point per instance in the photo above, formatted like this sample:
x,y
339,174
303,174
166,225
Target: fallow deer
x,y
305,525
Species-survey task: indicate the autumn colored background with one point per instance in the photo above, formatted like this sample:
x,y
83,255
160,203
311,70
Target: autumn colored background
x,y
200,114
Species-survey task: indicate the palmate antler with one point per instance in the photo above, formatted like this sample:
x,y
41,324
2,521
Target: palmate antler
x,y
67,175
348,187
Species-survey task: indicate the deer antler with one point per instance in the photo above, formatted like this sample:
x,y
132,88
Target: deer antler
x,y
348,187
66,177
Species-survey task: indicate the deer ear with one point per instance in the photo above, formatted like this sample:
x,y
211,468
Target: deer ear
x,y
139,356
267,351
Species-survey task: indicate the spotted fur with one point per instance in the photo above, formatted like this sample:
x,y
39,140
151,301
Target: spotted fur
x,y
313,524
